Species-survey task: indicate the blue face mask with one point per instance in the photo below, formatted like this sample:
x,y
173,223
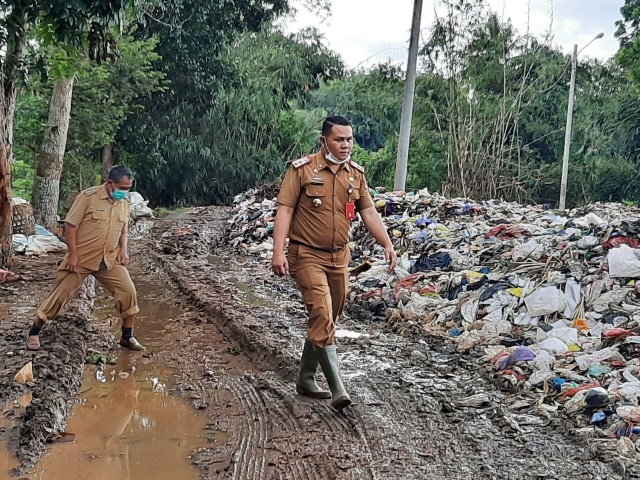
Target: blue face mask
x,y
119,194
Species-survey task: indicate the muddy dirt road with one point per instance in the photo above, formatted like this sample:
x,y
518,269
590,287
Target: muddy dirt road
x,y
213,396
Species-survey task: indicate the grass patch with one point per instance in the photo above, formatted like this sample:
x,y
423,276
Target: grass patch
x,y
163,212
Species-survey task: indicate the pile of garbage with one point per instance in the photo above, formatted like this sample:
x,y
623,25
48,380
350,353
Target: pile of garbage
x,y
250,228
551,300
141,216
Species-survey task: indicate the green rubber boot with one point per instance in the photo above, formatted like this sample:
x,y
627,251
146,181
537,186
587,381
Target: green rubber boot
x,y
306,384
328,358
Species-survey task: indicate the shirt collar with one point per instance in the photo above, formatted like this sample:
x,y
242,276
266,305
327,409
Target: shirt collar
x,y
103,192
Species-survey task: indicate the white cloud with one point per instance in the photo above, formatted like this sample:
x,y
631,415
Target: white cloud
x,y
371,31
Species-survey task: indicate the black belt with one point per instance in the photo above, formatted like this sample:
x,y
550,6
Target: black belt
x,y
332,250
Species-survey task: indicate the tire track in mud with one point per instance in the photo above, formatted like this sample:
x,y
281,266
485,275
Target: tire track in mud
x,y
327,446
250,460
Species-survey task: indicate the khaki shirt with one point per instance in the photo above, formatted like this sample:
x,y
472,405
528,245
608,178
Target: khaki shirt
x,y
100,221
323,224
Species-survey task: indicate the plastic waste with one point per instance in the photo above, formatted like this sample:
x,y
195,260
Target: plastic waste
x,y
554,346
585,361
568,335
545,301
596,397
623,262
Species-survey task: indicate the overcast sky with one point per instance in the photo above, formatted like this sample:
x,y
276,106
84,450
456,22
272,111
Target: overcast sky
x,y
371,31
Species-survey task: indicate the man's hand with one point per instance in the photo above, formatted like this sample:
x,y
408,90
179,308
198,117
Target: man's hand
x,y
390,257
374,224
123,257
72,262
280,264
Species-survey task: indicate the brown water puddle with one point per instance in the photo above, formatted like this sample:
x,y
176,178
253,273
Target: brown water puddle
x,y
126,425
7,461
8,412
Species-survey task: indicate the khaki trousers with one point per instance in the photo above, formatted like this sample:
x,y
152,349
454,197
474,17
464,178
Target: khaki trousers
x,y
323,280
116,280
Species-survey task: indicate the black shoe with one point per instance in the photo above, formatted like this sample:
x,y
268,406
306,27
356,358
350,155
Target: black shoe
x,y
132,344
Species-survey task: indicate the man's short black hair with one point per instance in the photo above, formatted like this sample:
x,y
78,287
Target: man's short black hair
x,y
332,120
118,172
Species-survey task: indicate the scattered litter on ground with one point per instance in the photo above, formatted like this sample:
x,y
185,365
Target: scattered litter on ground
x,y
25,374
550,300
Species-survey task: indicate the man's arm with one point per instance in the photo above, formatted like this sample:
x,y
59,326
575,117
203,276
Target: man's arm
x,y
70,234
71,223
280,230
374,224
123,255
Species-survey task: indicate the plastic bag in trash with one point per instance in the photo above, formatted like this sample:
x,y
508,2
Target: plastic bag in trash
x,y
623,262
530,250
545,301
554,346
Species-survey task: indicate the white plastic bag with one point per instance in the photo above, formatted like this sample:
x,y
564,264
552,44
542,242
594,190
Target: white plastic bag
x,y
566,334
531,249
545,301
572,296
554,346
623,262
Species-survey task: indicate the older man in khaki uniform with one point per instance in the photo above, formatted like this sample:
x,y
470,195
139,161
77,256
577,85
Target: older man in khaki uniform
x,y
96,233
318,200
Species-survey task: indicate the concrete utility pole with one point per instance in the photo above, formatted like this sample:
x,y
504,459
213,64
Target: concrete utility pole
x,y
407,101
567,131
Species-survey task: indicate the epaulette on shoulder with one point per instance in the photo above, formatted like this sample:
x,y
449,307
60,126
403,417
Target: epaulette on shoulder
x,y
356,166
91,191
300,162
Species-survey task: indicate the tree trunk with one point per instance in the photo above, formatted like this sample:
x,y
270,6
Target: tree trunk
x,y
7,106
49,160
107,160
14,48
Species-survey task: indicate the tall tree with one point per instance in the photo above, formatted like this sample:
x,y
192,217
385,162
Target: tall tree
x,y
49,160
79,23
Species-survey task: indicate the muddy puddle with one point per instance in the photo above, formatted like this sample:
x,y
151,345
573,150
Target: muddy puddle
x,y
126,424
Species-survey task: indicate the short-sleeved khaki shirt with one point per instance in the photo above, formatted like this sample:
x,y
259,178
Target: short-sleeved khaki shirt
x,y
319,198
100,221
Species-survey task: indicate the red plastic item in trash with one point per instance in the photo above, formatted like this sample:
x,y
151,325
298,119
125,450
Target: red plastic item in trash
x,y
616,333
614,242
571,392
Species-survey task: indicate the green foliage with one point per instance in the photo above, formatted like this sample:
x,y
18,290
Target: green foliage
x,y
372,100
627,34
104,95
197,148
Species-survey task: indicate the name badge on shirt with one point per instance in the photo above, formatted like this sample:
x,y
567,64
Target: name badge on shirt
x,y
350,210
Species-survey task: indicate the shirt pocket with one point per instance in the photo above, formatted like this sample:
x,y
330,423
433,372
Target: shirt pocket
x,y
315,190
98,219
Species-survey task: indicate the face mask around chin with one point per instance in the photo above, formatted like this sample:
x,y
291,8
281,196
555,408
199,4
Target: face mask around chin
x,y
330,157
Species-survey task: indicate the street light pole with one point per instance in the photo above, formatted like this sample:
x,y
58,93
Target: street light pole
x,y
407,101
567,131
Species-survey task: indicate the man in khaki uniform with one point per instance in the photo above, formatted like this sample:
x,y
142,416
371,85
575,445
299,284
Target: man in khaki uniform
x,y
318,200
96,232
